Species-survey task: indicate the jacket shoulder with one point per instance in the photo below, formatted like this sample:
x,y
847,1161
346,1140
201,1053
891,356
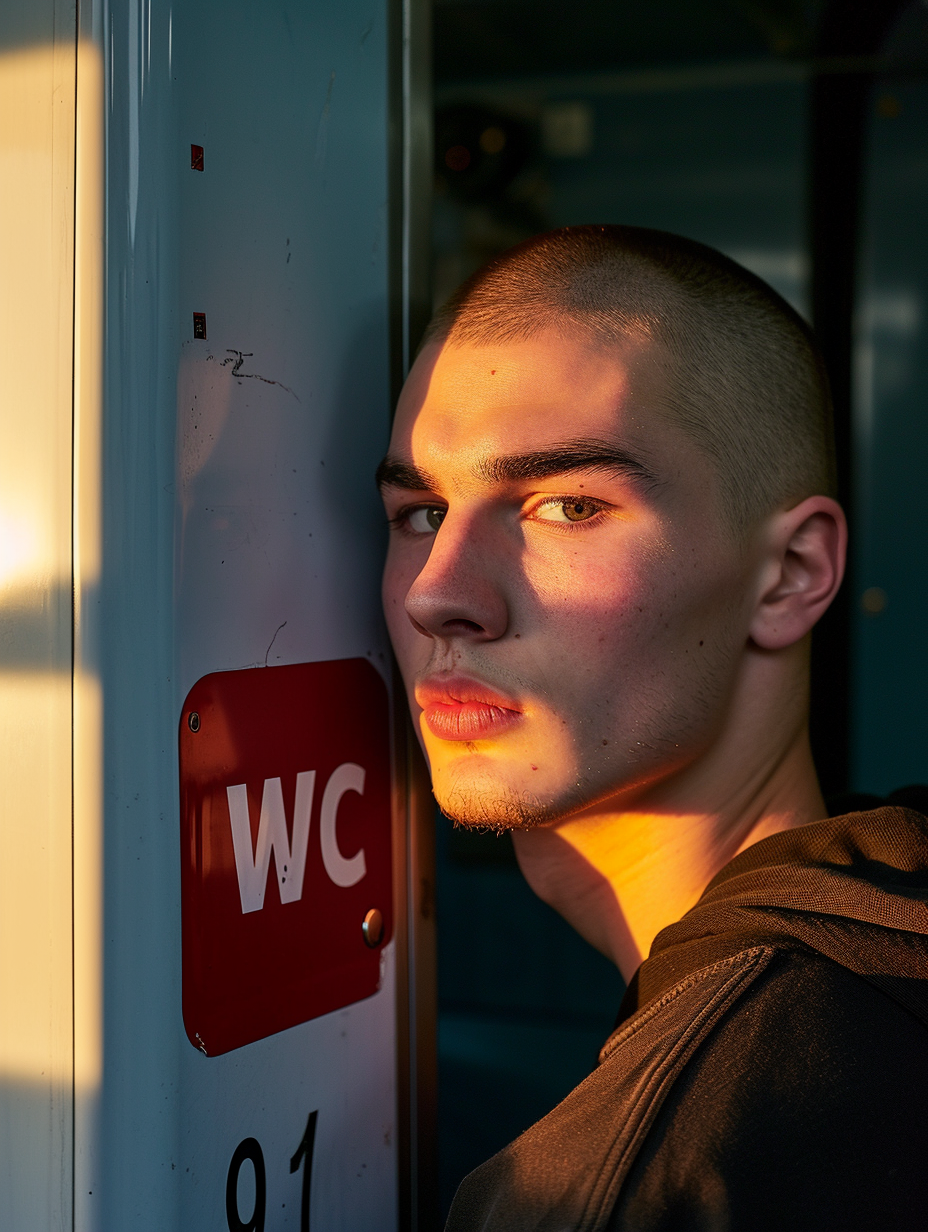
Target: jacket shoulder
x,y
566,1171
806,1107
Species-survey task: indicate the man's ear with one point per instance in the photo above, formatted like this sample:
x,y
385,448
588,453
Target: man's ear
x,y
806,548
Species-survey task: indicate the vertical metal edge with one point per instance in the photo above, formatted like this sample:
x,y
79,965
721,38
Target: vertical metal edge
x,y
416,984
410,159
87,713
404,1080
67,23
410,144
423,990
72,1160
417,171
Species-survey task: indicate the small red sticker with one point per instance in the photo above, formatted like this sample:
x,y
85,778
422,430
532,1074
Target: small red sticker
x,y
196,158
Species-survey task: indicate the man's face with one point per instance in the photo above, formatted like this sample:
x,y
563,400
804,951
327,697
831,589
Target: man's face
x,y
566,604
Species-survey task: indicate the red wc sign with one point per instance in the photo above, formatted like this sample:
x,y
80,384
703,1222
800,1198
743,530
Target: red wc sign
x,y
285,847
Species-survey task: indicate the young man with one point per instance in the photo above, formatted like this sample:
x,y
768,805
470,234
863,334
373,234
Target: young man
x,y
613,526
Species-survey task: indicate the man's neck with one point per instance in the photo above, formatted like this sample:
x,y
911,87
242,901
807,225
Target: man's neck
x,y
619,876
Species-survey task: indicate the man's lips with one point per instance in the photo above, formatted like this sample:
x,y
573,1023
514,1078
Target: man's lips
x,y
458,708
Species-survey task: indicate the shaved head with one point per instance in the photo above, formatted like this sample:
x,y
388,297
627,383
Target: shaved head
x,y
745,379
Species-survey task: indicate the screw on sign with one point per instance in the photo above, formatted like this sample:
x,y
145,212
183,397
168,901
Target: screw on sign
x,y
283,769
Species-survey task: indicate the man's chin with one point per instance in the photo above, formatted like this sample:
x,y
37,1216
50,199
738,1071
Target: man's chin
x,y
500,786
495,806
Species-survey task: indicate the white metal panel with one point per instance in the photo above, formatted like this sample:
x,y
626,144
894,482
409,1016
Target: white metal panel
x,y
238,526
282,416
37,68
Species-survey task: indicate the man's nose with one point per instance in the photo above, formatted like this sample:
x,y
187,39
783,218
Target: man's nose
x,y
461,590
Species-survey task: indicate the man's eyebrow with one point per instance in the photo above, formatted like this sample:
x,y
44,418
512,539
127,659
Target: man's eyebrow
x,y
392,473
578,455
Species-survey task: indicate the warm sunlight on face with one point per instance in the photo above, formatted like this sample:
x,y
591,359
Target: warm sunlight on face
x,y
566,606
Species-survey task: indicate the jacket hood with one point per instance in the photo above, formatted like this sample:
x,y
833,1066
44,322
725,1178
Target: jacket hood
x,y
853,889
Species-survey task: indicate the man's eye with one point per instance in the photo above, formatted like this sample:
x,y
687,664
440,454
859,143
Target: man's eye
x,y
425,520
567,509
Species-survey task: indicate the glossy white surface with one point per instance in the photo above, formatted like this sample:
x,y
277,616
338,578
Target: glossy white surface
x,y
37,67
239,527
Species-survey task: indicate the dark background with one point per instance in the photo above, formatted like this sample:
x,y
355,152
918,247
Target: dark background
x,y
791,135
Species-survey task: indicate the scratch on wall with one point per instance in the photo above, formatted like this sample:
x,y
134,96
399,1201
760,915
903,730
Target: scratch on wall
x,y
240,357
273,640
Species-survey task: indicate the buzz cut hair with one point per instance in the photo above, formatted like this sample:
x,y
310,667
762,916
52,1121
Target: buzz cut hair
x,y
746,379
